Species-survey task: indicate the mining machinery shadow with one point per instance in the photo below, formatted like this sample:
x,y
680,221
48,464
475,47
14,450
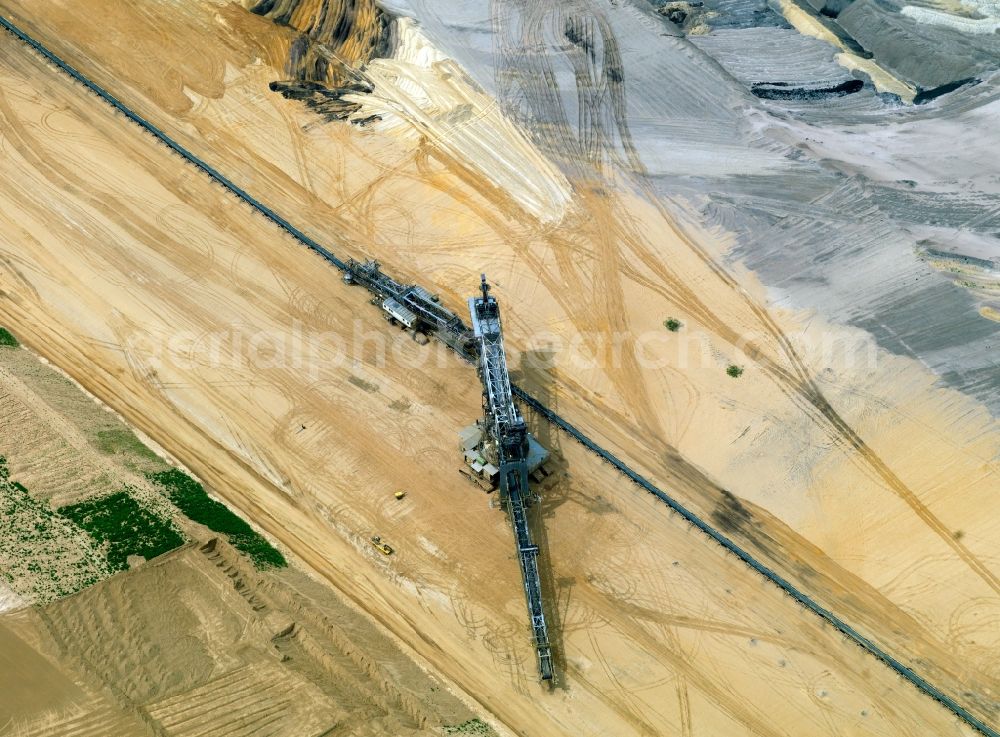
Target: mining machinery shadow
x,y
556,590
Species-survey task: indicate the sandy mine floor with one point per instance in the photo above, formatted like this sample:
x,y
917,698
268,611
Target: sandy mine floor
x,y
152,287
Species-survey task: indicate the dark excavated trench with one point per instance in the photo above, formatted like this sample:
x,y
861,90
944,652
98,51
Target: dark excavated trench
x,y
331,41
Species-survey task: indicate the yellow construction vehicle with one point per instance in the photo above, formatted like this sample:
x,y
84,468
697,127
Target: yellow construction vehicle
x,y
400,494
381,546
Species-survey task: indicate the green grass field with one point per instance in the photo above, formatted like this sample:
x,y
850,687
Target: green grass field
x,y
7,339
118,521
121,440
473,727
191,498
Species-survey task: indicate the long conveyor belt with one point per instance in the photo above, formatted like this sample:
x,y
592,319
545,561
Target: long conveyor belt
x,y
802,598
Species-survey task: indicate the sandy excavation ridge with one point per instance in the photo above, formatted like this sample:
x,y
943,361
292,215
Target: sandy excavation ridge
x,y
274,468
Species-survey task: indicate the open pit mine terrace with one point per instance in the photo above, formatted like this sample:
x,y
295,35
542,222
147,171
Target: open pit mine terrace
x,y
472,346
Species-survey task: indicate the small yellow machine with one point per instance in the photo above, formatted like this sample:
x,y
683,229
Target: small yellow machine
x,y
400,494
381,546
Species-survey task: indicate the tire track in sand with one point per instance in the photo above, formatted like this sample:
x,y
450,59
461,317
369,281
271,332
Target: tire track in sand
x,y
603,89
